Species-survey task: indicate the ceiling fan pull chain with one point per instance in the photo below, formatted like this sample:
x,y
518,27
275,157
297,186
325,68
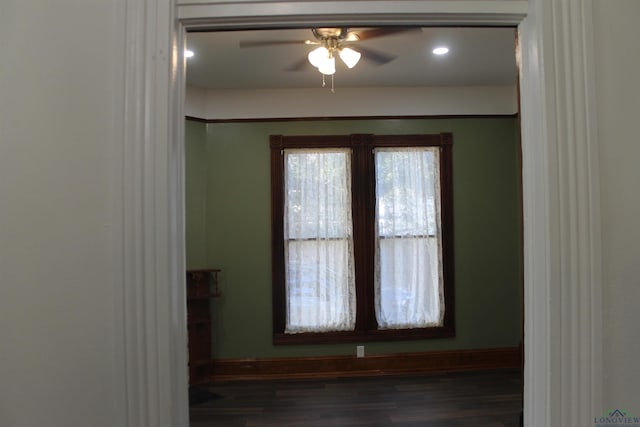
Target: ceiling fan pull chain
x,y
332,88
323,82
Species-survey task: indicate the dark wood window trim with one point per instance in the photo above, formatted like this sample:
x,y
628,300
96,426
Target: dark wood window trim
x,y
363,201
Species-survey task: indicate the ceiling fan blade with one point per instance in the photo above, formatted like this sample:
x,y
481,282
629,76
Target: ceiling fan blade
x,y
262,43
299,65
385,31
375,55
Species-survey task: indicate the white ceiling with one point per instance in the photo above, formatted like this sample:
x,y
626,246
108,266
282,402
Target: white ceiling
x,y
478,56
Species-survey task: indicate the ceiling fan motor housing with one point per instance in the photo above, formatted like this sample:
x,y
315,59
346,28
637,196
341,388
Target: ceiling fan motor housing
x,y
330,33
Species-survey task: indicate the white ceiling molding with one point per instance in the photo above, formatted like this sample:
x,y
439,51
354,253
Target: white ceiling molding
x,y
213,104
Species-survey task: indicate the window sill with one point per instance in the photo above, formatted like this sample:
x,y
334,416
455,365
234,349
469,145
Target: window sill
x,y
363,336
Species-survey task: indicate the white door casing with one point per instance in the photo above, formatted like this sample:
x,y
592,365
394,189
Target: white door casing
x,y
563,286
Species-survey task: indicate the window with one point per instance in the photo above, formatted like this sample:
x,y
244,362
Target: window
x,y
361,237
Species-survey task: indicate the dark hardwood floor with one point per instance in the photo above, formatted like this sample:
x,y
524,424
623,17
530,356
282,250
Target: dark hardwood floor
x,y
478,399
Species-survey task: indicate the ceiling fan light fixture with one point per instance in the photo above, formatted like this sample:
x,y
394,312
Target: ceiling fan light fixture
x,y
350,57
328,66
318,56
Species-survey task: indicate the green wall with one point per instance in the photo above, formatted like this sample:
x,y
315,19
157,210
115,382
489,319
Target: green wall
x,y
229,226
196,194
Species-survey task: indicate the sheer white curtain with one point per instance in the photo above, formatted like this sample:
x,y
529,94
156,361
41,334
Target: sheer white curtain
x,y
408,288
320,282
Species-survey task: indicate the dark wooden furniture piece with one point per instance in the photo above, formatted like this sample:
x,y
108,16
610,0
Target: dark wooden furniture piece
x,y
202,286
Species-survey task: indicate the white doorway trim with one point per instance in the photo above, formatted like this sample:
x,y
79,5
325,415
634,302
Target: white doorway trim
x,y
563,286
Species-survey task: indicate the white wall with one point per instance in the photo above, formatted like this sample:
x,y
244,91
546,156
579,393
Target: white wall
x,y
61,87
618,95
319,102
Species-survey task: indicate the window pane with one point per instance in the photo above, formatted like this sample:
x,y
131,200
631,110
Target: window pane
x,y
320,283
408,283
408,244
318,286
407,190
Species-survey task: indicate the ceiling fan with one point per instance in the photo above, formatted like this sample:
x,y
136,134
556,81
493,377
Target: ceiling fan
x,y
339,42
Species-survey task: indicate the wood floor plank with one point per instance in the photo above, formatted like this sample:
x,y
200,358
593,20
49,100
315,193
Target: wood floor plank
x,y
461,399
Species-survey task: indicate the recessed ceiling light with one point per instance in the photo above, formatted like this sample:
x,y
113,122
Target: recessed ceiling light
x,y
188,53
441,50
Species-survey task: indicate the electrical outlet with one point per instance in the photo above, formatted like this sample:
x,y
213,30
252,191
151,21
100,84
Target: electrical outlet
x,y
359,351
